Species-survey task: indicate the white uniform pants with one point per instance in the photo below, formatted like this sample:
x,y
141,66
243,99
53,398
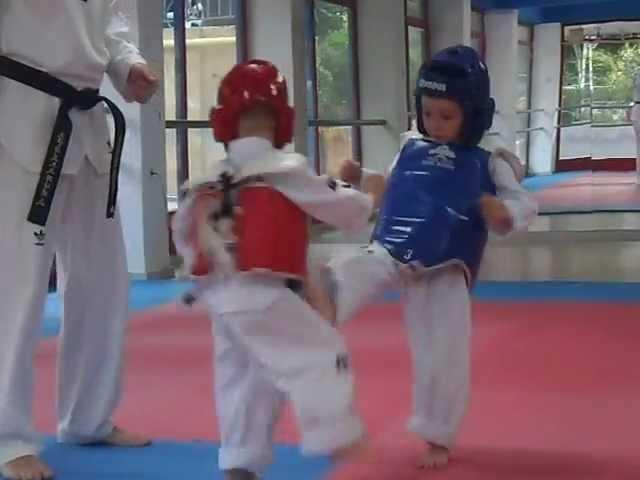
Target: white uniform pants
x,y
437,315
261,358
93,284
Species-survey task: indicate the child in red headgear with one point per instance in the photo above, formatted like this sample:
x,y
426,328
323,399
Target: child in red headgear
x,y
245,230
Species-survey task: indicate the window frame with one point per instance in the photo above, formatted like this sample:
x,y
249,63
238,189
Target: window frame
x,y
313,130
563,42
528,43
422,24
181,123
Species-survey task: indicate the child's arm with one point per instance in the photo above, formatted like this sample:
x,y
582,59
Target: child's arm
x,y
513,208
326,199
370,181
365,180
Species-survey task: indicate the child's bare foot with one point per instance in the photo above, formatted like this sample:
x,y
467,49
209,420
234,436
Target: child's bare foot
x,y
436,457
122,438
239,474
360,450
28,467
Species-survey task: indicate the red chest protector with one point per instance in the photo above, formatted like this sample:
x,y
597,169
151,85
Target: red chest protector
x,y
269,232
272,233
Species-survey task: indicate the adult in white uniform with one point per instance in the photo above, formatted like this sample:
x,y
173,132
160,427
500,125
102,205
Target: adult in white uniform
x,y
635,120
77,42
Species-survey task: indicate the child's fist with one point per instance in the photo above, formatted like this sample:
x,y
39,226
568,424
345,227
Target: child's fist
x,y
496,214
351,172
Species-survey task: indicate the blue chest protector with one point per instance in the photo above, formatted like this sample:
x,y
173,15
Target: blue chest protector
x,y
430,211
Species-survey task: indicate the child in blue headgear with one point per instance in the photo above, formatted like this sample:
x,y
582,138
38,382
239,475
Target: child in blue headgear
x,y
442,196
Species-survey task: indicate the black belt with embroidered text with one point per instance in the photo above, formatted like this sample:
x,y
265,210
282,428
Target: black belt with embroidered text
x,y
70,98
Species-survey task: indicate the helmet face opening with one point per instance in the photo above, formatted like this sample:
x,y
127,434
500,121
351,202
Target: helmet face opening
x,y
457,73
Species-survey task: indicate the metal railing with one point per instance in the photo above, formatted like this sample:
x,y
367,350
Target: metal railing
x,y
531,110
187,124
531,129
195,124
580,123
202,124
347,123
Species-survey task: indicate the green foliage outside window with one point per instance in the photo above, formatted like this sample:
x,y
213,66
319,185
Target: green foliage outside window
x,y
598,81
333,61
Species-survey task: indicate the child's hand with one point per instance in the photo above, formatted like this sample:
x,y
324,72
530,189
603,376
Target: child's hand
x,y
496,214
351,172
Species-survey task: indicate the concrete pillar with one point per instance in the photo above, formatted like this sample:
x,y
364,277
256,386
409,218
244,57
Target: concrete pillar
x,y
142,195
383,79
545,93
501,31
276,32
449,23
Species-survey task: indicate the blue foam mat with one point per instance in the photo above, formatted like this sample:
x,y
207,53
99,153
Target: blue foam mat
x,y
167,460
600,292
151,293
540,182
558,291
143,294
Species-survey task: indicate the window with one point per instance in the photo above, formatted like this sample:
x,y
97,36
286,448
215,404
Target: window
x,y
417,48
196,57
416,9
576,90
523,86
333,84
597,74
612,65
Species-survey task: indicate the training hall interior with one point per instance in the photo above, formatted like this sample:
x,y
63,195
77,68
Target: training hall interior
x,y
554,384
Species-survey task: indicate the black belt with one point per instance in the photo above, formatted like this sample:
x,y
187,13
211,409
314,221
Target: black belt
x,y
70,98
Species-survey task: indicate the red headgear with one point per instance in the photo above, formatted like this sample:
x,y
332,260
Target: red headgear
x,y
256,82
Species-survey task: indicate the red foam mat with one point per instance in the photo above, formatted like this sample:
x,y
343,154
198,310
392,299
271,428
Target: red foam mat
x,y
556,390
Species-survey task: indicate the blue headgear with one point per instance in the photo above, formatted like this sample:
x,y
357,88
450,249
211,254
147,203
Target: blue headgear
x,y
457,73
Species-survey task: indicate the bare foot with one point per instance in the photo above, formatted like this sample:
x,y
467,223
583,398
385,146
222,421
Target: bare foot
x,y
28,467
122,438
239,474
360,450
436,457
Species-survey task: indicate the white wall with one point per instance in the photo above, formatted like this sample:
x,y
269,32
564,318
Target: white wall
x,y
501,32
545,93
585,141
449,23
383,79
142,194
